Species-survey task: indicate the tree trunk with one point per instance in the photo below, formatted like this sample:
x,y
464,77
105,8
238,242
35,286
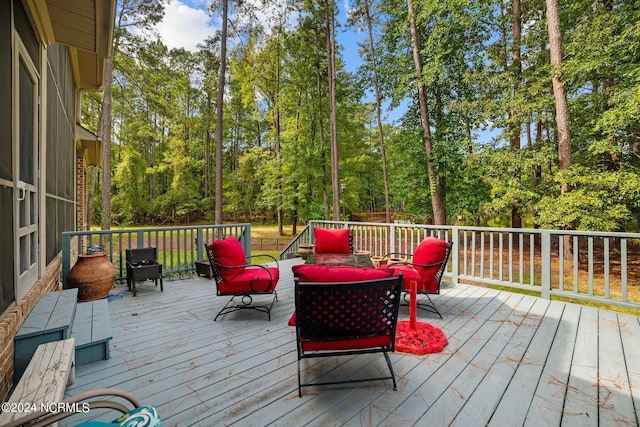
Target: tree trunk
x,y
560,95
105,126
383,155
325,195
559,89
514,135
333,120
207,151
439,210
219,112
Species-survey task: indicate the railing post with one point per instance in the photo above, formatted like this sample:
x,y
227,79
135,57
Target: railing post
x,y
392,238
247,243
455,254
66,258
199,242
545,268
140,238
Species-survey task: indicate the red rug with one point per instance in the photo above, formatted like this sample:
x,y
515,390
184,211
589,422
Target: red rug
x,y
425,338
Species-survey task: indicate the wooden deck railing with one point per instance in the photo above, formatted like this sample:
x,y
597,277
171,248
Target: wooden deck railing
x,y
178,247
595,266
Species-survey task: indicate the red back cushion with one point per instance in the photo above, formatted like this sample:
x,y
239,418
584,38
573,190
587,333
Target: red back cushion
x,y
429,251
228,252
335,241
330,274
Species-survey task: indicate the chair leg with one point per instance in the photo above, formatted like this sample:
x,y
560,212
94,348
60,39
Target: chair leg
x,y
430,307
393,376
244,305
299,380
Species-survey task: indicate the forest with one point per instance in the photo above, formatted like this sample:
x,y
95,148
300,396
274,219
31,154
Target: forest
x,y
264,124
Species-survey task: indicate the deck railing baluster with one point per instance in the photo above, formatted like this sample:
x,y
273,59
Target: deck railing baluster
x,y
602,276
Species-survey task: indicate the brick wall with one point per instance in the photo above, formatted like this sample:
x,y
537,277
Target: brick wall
x,y
15,316
81,196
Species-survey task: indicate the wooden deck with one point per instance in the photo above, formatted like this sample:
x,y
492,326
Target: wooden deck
x,y
511,360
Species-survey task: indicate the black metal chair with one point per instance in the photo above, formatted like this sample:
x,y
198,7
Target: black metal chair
x,y
239,279
142,265
340,319
428,264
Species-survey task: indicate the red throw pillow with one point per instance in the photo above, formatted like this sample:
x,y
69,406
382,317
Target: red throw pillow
x,y
337,274
336,241
229,252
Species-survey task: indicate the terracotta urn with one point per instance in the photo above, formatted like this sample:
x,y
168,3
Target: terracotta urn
x,y
376,260
93,275
304,250
395,260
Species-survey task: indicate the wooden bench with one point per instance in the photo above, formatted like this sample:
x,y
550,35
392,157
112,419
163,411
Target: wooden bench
x,y
43,382
50,320
58,316
92,331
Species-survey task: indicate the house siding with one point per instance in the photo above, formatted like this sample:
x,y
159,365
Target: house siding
x,y
57,177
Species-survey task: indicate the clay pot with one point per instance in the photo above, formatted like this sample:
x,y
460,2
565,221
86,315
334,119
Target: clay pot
x,y
376,260
304,250
93,275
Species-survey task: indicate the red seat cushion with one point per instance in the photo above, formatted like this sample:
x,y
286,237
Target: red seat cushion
x,y
228,252
338,274
254,279
337,241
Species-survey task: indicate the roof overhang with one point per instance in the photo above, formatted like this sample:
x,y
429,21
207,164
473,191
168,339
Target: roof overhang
x,y
89,146
86,27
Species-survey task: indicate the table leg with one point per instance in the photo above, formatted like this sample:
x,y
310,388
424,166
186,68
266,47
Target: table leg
x,y
413,304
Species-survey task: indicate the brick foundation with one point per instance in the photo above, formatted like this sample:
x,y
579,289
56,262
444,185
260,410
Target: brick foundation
x,y
14,317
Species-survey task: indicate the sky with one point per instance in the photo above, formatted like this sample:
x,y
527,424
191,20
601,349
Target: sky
x,y
186,23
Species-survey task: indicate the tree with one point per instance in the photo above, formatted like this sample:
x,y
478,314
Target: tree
x,y
140,14
437,202
559,89
363,11
333,105
220,110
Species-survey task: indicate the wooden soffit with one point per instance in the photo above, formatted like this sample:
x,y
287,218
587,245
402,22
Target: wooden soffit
x,y
85,26
89,146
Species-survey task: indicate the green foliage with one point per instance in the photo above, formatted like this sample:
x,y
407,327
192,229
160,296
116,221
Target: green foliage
x,y
276,117
598,200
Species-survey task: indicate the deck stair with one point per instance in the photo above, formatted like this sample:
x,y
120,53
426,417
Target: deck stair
x,y
58,316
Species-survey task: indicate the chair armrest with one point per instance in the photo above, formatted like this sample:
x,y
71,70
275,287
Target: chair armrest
x,y
435,264
271,258
395,255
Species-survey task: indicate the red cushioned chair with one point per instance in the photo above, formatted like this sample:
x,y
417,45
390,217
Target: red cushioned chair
x,y
427,265
339,319
333,241
237,278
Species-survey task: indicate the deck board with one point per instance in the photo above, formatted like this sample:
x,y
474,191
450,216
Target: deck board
x,y
511,360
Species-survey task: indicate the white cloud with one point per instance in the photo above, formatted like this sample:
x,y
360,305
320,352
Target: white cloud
x,y
185,26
